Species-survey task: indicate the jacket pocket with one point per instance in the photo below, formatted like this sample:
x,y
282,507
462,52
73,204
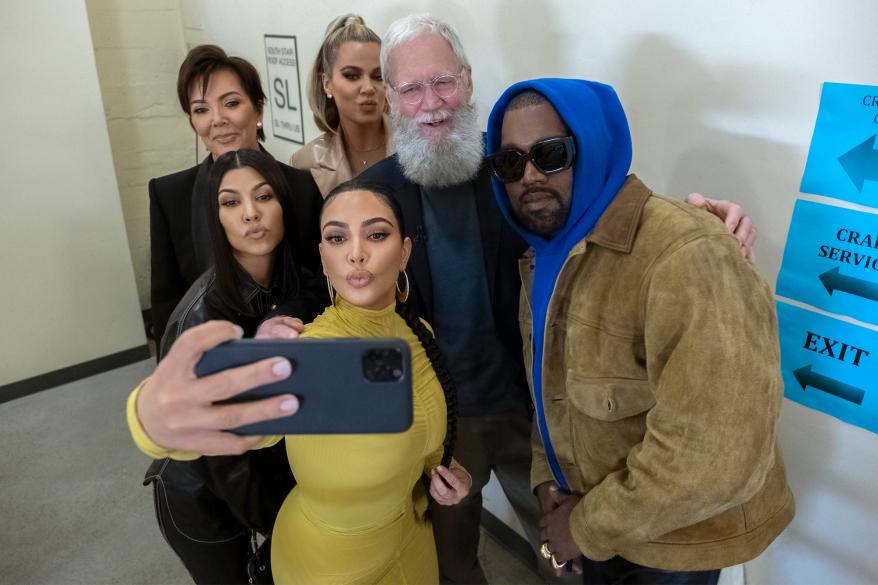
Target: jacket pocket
x,y
608,399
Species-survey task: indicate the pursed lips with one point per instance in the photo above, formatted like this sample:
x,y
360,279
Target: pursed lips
x,y
359,278
255,233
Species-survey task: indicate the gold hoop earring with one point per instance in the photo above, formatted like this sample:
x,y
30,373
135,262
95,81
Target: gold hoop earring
x,y
403,295
331,291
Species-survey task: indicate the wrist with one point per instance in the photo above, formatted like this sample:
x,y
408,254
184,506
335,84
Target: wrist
x,y
137,396
138,431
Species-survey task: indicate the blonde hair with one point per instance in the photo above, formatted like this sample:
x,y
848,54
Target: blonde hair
x,y
346,28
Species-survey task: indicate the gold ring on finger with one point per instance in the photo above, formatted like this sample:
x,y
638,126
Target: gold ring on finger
x,y
545,552
556,564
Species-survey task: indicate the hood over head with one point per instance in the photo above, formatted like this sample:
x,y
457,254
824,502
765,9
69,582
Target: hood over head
x,y
595,118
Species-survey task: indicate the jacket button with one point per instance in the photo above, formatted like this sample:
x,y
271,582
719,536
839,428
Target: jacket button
x,y
610,404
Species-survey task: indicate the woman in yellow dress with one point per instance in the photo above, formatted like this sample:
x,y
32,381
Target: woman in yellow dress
x,y
357,514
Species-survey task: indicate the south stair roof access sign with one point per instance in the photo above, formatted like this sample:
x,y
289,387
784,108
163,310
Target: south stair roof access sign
x,y
843,162
829,365
284,91
831,260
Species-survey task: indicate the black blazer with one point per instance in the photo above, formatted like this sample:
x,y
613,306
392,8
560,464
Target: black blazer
x,y
501,244
178,243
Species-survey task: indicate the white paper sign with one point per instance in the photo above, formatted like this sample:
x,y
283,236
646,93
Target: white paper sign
x,y
284,91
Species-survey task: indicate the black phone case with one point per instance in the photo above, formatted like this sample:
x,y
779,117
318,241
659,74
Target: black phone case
x,y
344,386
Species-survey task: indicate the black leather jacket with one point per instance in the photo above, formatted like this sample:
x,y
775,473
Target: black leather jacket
x,y
200,304
251,487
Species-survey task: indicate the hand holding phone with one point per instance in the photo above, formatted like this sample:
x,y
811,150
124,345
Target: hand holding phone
x,y
178,410
344,386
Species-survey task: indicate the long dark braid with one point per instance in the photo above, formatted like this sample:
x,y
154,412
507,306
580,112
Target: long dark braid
x,y
437,360
431,347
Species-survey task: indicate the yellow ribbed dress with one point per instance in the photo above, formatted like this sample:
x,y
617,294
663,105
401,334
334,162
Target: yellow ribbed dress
x,y
356,515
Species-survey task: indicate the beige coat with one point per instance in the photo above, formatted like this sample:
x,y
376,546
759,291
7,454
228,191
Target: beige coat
x,y
661,387
325,158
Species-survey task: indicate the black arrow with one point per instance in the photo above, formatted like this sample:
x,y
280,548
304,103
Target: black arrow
x,y
833,280
861,163
805,377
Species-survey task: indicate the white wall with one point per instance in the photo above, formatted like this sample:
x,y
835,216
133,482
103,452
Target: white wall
x,y
68,292
722,98
138,47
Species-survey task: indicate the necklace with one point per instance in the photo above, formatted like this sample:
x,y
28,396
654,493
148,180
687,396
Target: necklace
x,y
361,154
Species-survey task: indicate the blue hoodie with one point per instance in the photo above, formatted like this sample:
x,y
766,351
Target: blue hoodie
x,y
596,120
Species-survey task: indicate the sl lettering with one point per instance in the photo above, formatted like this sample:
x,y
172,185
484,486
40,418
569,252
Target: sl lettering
x,y
282,94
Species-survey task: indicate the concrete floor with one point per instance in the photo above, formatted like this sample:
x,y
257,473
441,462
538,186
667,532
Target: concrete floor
x,y
72,507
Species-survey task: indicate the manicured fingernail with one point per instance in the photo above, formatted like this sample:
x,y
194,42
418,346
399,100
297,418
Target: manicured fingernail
x,y
281,368
289,405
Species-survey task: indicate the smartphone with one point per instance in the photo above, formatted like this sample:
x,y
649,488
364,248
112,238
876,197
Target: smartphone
x,y
344,385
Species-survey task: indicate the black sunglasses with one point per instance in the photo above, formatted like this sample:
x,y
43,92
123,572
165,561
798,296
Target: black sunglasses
x,y
549,156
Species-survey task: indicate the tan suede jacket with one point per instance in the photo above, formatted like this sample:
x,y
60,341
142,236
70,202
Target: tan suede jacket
x,y
661,387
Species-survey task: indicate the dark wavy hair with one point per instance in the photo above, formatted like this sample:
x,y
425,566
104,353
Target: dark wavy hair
x,y
228,271
427,339
203,61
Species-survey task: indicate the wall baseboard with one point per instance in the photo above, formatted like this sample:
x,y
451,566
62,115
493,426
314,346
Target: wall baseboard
x,y
512,541
72,373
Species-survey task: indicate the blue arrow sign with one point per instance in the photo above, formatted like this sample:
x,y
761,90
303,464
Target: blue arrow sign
x,y
833,280
831,260
829,365
861,163
807,377
842,161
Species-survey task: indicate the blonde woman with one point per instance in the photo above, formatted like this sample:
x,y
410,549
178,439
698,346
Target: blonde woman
x,y
346,95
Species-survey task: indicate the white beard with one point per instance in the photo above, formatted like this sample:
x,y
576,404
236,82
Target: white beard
x,y
453,161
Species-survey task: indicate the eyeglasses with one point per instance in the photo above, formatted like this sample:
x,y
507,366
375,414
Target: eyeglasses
x,y
549,156
443,86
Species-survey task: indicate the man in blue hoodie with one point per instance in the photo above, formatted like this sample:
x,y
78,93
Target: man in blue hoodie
x,y
651,350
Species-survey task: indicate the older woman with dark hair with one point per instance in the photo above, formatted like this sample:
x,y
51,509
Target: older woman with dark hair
x,y
223,98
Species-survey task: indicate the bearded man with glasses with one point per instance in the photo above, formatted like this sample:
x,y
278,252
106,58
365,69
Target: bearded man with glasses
x,y
651,350
464,273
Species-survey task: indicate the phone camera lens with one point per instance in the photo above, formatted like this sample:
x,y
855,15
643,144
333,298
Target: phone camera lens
x,y
382,365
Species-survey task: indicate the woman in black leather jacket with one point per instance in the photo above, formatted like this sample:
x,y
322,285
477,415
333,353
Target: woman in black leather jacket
x,y
209,509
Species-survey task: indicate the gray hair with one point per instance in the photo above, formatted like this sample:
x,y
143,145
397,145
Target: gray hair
x,y
411,27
